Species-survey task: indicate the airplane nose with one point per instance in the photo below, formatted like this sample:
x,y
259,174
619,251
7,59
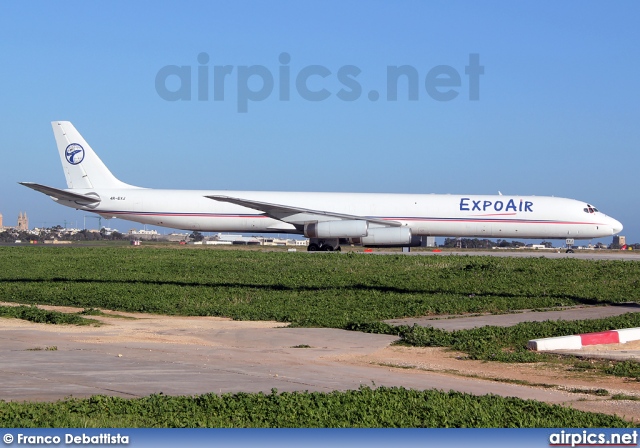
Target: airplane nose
x,y
616,226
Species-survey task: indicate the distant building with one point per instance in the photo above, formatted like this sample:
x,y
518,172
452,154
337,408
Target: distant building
x,y
234,239
222,238
142,234
1,226
23,221
428,241
619,241
176,237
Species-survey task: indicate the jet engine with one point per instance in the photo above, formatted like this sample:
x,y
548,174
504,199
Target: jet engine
x,y
336,229
385,236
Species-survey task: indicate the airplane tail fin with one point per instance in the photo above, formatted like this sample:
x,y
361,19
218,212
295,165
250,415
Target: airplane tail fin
x,y
82,166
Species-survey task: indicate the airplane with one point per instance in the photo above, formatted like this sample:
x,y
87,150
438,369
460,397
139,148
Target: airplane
x,y
368,219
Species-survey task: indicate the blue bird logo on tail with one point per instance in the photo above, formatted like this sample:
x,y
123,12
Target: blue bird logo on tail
x,y
74,153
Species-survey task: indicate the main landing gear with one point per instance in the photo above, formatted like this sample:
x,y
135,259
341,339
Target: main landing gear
x,y
325,245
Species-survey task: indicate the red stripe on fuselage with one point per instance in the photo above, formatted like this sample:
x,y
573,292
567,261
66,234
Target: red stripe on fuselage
x,y
411,219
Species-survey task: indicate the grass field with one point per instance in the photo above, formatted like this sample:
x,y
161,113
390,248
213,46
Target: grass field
x,y
321,290
351,291
363,408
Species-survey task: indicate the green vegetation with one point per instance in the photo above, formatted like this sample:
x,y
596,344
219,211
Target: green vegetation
x,y
625,397
35,314
366,407
509,344
95,312
627,368
92,312
351,291
596,392
320,290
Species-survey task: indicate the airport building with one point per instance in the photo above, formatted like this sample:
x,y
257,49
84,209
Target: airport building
x,y
222,238
428,241
143,234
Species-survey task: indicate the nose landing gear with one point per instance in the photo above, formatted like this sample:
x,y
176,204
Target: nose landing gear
x,y
569,242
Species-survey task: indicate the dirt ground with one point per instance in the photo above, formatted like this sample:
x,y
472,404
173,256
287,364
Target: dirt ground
x,y
539,375
418,361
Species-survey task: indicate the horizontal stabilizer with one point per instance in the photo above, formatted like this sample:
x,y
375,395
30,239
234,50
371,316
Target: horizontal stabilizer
x,y
58,194
298,215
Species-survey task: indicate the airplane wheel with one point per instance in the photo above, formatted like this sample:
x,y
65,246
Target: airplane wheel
x,y
338,249
327,247
313,247
569,251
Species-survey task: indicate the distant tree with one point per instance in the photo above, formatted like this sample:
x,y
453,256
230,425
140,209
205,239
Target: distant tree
x,y
196,236
7,237
475,243
450,242
86,235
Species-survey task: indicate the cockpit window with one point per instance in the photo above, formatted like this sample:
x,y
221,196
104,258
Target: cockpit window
x,y
590,209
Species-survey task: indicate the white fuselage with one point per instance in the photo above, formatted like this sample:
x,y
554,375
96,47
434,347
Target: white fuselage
x,y
489,216
326,218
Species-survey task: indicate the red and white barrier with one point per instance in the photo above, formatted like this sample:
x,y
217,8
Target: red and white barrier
x,y
576,342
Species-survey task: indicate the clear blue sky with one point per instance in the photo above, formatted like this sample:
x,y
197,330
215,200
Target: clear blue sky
x,y
557,113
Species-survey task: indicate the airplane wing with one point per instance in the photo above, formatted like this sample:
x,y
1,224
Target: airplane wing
x,y
58,194
298,215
